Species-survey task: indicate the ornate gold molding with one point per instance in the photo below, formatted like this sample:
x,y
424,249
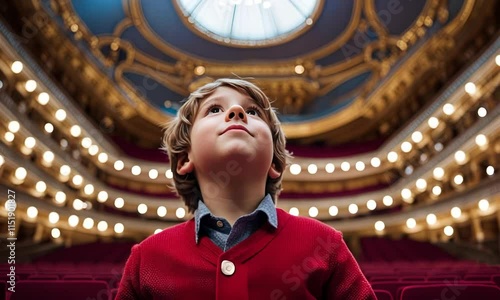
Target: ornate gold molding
x,y
315,81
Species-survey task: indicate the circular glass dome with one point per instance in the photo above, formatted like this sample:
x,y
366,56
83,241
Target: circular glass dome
x,y
249,22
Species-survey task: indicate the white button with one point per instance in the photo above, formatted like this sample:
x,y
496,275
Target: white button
x,y
227,268
220,224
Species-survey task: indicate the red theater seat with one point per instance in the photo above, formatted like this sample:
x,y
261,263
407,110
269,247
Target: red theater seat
x,y
443,278
383,278
111,280
485,277
383,295
496,279
43,277
393,286
444,291
413,278
78,277
60,290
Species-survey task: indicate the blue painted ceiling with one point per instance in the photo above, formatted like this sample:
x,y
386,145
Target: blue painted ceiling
x,y
154,41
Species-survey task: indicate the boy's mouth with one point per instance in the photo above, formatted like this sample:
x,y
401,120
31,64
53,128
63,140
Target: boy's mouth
x,y
236,127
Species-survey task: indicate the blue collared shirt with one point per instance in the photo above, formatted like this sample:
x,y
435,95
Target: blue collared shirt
x,y
219,230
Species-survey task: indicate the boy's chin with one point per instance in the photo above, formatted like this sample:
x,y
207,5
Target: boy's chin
x,y
244,161
236,151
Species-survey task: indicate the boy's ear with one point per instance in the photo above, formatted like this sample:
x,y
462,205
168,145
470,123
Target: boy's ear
x,y
273,173
184,165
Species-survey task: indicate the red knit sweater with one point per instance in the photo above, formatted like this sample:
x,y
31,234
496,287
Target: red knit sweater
x,y
302,259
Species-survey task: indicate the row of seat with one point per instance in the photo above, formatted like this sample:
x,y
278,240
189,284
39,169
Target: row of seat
x,y
90,253
436,279
419,291
99,290
386,250
62,290
442,291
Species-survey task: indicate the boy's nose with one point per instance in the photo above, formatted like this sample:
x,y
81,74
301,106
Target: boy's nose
x,y
236,112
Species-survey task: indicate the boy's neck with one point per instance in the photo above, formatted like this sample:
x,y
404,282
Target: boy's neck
x,y
234,201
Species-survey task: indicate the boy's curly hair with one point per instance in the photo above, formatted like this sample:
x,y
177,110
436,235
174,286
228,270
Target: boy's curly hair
x,y
177,141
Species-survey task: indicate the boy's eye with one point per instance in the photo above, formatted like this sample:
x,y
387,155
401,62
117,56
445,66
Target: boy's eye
x,y
214,109
253,111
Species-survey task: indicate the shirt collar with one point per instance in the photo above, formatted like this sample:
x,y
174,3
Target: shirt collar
x,y
266,206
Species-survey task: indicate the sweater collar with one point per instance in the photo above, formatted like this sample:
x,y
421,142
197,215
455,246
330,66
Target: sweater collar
x,y
266,206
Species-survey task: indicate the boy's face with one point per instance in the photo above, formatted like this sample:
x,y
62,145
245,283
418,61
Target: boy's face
x,y
230,132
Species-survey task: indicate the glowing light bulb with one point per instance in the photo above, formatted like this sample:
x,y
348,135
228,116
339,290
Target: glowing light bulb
x,y
379,226
20,173
43,98
483,204
56,233
431,219
312,169
102,157
456,212
32,212
119,202
406,147
353,208
14,126
433,122
371,204
17,67
60,115
295,169
88,223
153,173
375,162
417,137
102,226
30,85
345,166
73,220
142,208
392,156
180,212
161,211
448,230
421,184
40,187
313,212
411,223
438,173
294,211
53,217
387,200
470,88
102,196
119,228
448,109
75,131
360,166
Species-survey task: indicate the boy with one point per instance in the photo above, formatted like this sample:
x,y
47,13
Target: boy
x,y
227,153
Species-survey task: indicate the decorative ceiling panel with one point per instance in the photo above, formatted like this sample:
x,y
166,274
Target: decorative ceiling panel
x,y
352,48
